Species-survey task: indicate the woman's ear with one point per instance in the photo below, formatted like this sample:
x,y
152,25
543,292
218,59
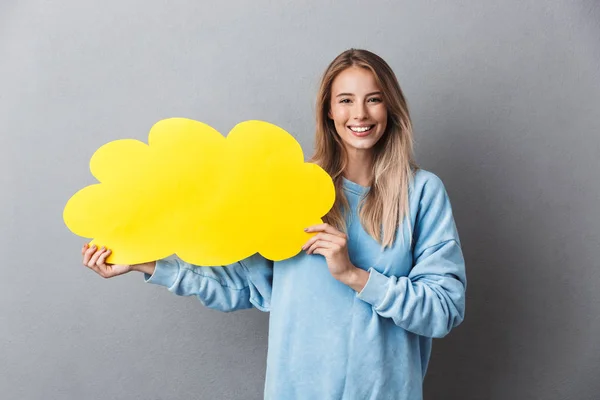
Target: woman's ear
x,y
329,114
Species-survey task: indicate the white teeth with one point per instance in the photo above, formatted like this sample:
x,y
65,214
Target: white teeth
x,y
361,129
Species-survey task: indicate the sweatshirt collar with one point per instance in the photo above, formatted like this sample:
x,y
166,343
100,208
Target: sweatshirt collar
x,y
354,187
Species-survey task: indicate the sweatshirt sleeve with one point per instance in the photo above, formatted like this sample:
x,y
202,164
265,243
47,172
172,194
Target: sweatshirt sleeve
x,y
237,286
430,301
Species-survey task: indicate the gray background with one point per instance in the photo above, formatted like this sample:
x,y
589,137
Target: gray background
x,y
503,96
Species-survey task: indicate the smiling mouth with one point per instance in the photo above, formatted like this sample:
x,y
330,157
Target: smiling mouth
x,y
361,130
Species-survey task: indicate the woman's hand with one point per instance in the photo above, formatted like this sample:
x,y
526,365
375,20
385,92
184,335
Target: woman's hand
x,y
333,245
95,258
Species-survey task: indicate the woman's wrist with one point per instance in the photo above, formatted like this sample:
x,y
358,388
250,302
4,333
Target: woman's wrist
x,y
356,278
147,268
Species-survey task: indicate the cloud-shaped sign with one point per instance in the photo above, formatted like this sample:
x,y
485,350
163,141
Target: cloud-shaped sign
x,y
209,199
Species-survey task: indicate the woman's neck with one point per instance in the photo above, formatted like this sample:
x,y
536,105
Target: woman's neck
x,y
359,168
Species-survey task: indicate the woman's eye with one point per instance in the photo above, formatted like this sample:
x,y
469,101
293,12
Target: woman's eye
x,y
345,101
375,100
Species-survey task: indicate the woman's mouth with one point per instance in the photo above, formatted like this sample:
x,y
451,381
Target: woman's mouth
x,y
361,130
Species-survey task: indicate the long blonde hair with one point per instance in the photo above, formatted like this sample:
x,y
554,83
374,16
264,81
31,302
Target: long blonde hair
x,y
385,206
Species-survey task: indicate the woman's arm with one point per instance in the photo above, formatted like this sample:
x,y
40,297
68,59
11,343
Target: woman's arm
x,y
146,268
241,285
237,286
430,301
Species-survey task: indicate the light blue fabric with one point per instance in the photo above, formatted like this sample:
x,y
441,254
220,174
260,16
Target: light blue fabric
x,y
328,342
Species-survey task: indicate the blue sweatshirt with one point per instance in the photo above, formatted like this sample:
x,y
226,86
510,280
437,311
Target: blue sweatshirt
x,y
327,341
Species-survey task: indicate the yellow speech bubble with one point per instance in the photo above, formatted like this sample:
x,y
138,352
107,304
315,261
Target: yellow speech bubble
x,y
209,199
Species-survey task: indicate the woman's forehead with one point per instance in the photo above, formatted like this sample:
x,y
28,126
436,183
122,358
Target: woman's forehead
x,y
354,80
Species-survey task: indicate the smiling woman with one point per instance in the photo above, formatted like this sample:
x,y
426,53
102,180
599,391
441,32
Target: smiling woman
x,y
357,110
353,315
364,134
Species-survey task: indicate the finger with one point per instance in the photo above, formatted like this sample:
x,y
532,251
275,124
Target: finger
x,y
310,241
88,254
324,236
325,228
95,257
84,248
95,268
320,244
99,266
333,238
102,258
323,252
91,266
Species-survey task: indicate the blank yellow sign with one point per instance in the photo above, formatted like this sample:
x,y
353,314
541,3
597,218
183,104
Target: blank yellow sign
x,y
210,199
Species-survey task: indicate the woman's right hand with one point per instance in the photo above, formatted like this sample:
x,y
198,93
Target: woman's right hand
x,y
94,259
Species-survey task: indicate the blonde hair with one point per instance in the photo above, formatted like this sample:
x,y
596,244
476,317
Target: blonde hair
x,y
385,205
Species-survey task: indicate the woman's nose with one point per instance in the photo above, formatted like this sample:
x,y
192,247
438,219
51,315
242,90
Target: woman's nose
x,y
360,111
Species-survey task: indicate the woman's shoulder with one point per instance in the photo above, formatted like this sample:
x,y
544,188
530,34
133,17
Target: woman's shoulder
x,y
426,182
432,210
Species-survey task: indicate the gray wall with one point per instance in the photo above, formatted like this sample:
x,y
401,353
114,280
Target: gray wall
x,y
502,95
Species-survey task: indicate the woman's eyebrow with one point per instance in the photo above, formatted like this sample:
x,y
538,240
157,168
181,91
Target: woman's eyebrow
x,y
352,94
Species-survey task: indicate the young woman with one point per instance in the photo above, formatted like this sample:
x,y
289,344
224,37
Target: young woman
x,y
352,316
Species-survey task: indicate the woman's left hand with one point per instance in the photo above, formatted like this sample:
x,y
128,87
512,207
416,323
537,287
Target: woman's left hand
x,y
333,245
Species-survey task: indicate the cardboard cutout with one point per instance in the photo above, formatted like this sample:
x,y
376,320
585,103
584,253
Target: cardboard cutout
x,y
209,199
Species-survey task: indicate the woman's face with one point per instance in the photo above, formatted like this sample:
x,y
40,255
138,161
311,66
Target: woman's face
x,y
357,109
